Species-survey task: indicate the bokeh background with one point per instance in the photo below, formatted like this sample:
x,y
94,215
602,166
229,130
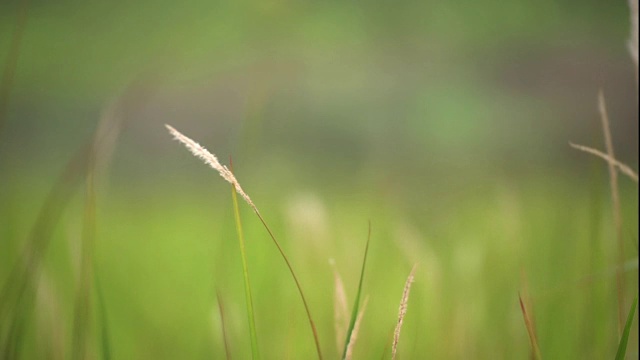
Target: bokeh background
x,y
446,125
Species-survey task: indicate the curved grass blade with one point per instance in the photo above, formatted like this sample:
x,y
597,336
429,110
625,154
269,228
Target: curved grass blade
x,y
356,305
622,347
295,279
245,273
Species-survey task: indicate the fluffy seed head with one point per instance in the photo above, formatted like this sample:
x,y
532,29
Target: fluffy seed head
x,y
211,160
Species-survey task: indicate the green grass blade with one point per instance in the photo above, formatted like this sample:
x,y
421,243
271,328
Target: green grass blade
x,y
622,347
245,272
356,305
82,310
105,344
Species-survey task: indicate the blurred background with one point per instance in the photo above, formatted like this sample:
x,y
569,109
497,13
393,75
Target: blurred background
x,y
446,125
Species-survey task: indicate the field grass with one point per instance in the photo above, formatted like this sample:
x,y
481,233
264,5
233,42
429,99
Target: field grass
x,y
162,253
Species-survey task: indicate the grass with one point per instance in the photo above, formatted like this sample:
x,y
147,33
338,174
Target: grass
x,y
462,293
155,252
226,174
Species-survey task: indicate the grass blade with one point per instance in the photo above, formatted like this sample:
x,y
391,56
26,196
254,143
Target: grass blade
x,y
622,347
105,343
535,349
356,329
354,312
227,352
82,310
245,273
402,312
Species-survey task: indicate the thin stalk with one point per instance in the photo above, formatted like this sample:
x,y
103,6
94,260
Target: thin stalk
x,y
227,352
245,272
615,200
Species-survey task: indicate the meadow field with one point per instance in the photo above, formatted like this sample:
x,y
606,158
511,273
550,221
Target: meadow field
x,y
431,137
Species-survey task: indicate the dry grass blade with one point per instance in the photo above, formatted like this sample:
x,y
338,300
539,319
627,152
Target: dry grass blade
x,y
402,312
340,308
535,349
622,167
211,160
356,329
615,199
